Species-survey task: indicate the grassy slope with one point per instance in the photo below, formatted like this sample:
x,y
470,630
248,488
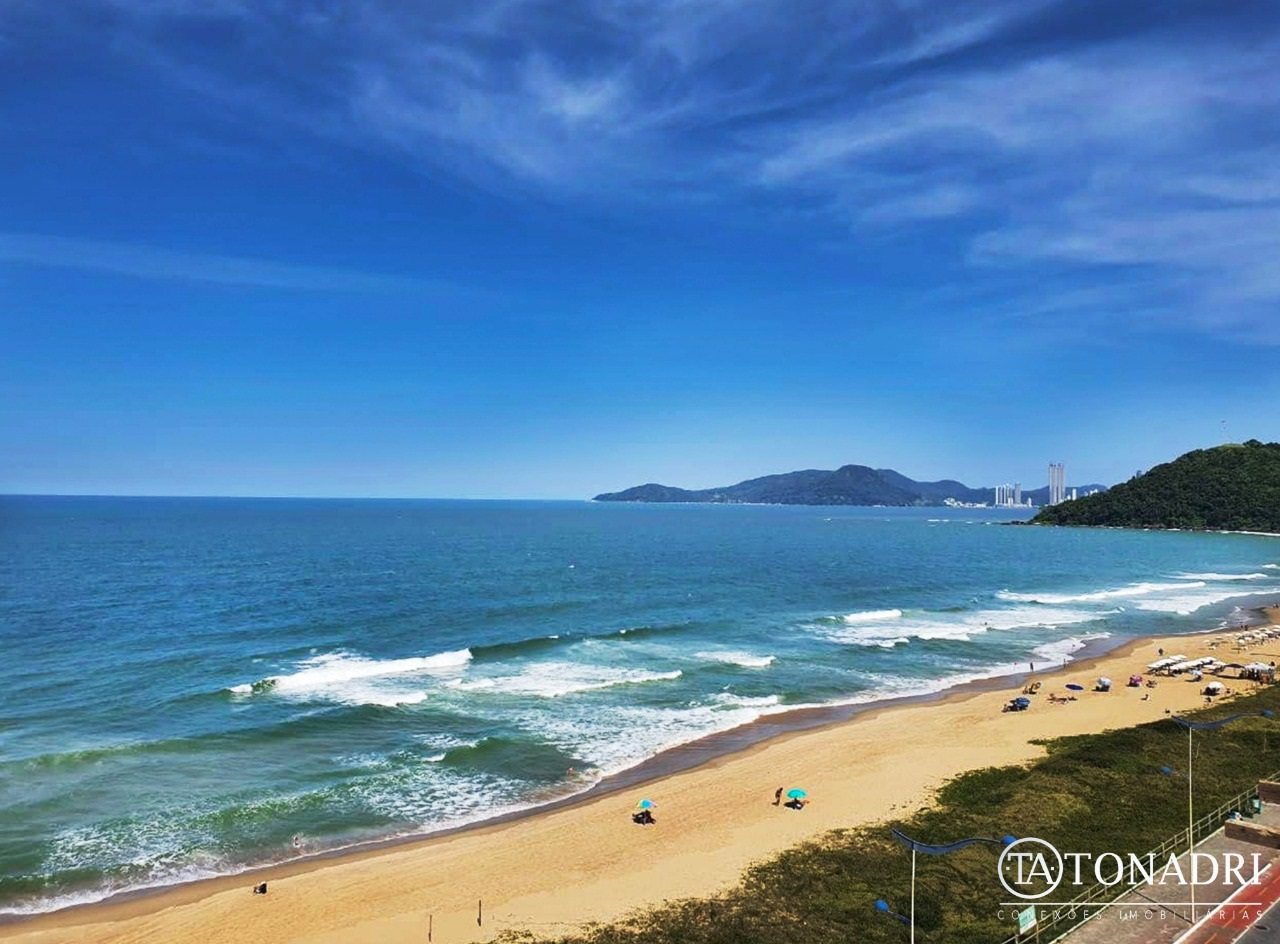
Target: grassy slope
x,y
1094,793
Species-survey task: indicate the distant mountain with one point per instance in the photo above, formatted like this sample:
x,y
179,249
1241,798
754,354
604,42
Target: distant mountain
x,y
1227,488
847,485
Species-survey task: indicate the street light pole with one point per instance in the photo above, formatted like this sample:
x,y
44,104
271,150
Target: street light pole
x,y
1191,828
928,849
913,894
1192,726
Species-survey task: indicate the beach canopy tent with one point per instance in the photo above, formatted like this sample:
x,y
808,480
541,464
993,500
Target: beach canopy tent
x,y
1161,664
1213,688
1258,667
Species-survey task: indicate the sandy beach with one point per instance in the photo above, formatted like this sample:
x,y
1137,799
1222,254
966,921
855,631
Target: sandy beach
x,y
588,862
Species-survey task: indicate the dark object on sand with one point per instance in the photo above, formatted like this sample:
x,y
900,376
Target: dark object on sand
x,y
777,796
1017,704
643,818
260,888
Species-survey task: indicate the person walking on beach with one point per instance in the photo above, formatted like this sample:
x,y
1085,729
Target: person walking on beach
x,y
777,797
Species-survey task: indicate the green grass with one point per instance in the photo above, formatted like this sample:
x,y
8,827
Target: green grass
x,y
1092,793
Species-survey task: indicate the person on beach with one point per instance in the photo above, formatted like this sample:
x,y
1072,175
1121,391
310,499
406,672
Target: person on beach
x,y
777,797
1033,666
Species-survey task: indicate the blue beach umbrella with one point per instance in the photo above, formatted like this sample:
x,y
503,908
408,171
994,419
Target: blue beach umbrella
x,y
646,805
797,794
1074,687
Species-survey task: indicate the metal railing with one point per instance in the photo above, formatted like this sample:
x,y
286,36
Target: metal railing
x,y
1074,912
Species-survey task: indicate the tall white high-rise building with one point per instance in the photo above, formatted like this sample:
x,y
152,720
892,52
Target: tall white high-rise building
x,y
1017,493
1057,483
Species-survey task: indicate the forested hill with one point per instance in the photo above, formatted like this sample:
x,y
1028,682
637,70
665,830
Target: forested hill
x,y
1229,488
847,485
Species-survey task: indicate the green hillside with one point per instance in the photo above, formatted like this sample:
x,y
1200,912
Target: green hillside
x,y
1230,488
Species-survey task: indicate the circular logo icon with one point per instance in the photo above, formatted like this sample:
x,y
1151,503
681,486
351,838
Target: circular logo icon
x,y
1029,860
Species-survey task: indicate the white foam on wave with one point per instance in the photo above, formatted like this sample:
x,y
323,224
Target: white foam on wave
x,y
732,700
736,657
960,627
1095,596
593,736
355,679
1271,566
556,679
1184,604
872,616
1221,576
1191,593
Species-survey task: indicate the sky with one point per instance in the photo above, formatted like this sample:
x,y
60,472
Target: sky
x,y
549,248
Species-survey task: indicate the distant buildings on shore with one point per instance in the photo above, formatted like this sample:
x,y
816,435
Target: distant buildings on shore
x,y
1057,484
1010,496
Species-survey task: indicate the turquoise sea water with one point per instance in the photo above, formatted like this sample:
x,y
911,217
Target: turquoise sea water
x,y
189,684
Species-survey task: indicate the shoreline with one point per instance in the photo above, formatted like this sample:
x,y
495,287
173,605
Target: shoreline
x,y
741,749
702,751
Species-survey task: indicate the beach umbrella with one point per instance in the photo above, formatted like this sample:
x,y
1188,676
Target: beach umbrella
x,y
646,805
1105,681
1074,687
797,794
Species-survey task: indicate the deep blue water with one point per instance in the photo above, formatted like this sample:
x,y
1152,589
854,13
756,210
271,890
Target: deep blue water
x,y
190,684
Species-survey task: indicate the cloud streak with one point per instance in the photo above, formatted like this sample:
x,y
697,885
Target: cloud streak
x,y
149,262
1028,136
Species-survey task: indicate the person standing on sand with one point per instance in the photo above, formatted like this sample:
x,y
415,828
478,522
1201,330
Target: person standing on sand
x,y
1033,666
777,797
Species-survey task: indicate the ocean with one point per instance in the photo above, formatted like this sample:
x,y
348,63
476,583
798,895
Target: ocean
x,y
193,687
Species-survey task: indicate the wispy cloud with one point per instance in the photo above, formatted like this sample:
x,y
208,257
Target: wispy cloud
x,y
149,262
1032,135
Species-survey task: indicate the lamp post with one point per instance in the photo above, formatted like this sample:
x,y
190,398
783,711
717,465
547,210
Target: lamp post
x,y
944,849
1193,726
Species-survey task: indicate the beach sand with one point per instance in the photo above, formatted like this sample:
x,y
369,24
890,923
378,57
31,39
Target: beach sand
x,y
588,862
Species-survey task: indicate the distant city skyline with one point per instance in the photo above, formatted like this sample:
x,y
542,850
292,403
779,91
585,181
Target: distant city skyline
x,y
523,249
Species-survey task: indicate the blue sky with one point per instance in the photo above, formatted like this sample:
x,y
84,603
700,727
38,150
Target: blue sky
x,y
544,249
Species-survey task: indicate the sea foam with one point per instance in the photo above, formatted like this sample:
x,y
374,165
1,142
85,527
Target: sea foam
x,y
556,679
347,677
1096,596
872,616
959,627
745,659
1221,576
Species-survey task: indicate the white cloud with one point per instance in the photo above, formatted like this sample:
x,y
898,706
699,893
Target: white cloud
x,y
148,262
1153,150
